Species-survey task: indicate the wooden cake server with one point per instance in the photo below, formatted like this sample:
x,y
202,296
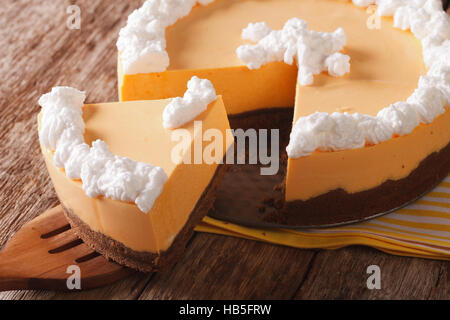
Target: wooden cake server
x,y
41,253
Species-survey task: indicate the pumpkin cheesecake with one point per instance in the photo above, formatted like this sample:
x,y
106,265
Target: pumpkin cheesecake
x,y
362,86
129,187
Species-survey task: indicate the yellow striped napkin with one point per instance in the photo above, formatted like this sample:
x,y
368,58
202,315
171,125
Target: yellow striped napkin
x,y
421,229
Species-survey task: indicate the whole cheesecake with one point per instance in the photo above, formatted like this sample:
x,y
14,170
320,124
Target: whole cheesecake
x,y
362,142
360,97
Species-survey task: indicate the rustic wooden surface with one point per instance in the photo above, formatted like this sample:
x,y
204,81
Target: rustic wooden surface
x,y
39,52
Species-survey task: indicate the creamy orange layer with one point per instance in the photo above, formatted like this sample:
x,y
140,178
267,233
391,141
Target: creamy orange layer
x,y
365,168
385,64
134,130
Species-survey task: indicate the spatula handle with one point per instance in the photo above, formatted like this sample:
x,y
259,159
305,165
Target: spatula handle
x,y
13,284
8,281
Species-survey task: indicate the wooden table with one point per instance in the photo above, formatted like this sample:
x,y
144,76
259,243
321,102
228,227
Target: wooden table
x,y
38,52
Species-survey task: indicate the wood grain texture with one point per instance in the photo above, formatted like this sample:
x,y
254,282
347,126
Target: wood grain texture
x,y
39,52
343,274
218,267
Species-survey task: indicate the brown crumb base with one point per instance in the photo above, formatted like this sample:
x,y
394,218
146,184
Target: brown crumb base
x,y
338,206
148,261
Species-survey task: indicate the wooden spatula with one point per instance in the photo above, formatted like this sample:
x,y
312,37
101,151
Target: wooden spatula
x,y
39,254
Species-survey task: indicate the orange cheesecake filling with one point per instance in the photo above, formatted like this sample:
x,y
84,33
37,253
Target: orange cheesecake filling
x,y
135,130
387,60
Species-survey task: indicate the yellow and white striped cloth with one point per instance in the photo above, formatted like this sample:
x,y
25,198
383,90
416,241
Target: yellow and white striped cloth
x,y
421,229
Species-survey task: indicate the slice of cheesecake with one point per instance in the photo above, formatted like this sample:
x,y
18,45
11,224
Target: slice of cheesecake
x,y
128,182
362,143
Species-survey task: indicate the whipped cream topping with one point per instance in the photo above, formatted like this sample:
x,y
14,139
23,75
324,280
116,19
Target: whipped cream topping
x,y
181,110
313,51
338,131
101,172
142,42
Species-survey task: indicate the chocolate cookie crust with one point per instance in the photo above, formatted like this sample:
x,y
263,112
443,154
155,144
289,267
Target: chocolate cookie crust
x,y
148,261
